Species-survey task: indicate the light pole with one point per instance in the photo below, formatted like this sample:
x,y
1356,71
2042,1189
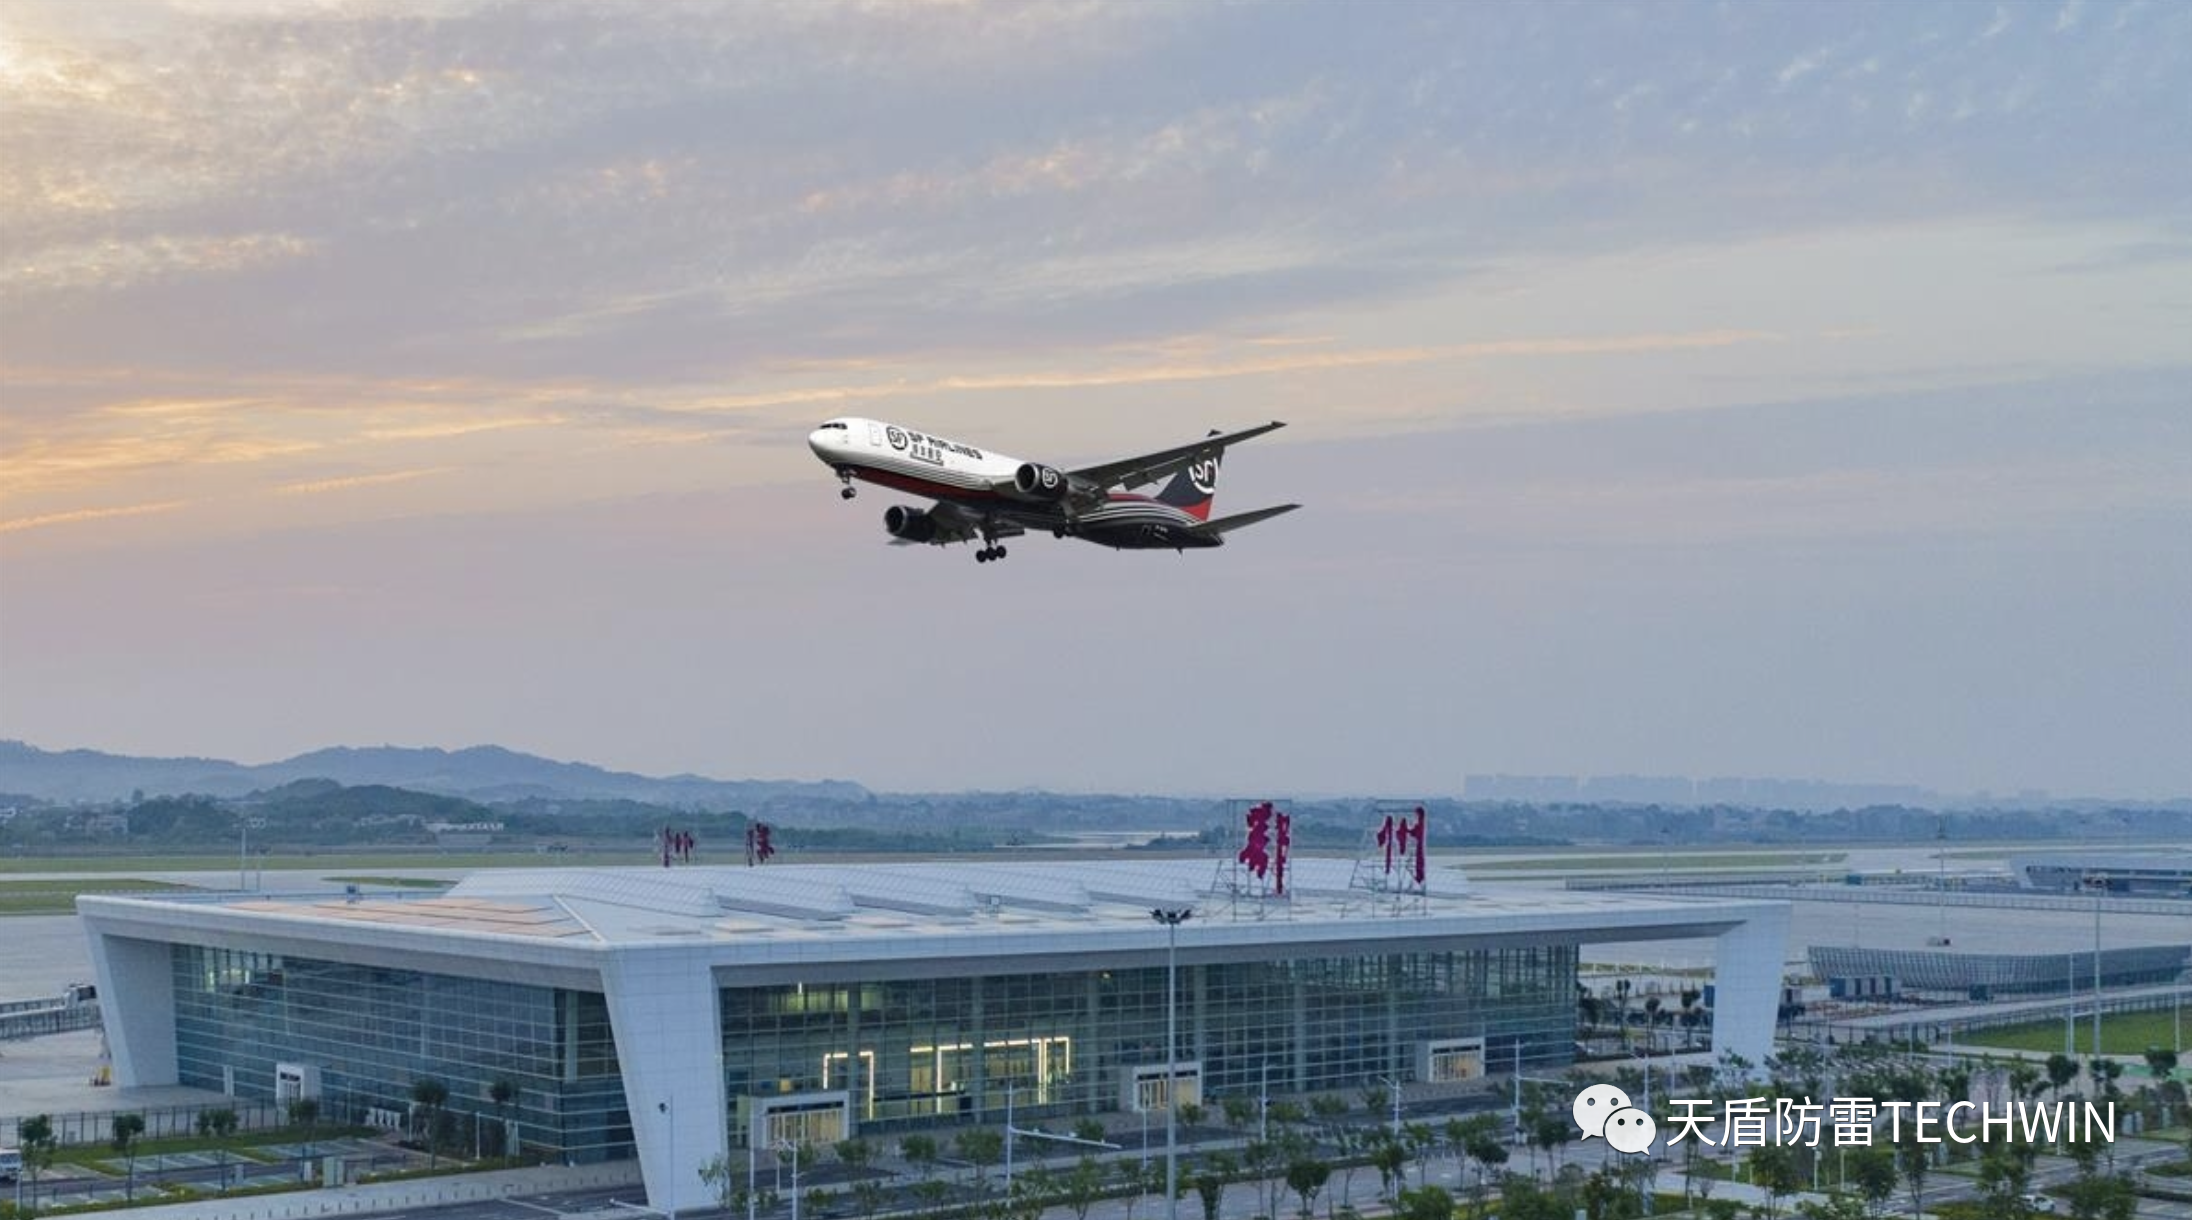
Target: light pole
x,y
792,1149
1171,918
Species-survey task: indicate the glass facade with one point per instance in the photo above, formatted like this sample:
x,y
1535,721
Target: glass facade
x,y
908,1052
372,1033
885,1055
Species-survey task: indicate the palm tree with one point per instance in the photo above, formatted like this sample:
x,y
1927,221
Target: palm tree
x,y
502,1092
428,1096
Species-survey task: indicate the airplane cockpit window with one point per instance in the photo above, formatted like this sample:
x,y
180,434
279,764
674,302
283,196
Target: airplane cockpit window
x,y
838,424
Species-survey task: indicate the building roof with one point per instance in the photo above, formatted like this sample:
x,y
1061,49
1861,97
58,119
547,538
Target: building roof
x,y
779,915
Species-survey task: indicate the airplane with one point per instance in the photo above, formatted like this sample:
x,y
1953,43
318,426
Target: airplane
x,y
987,495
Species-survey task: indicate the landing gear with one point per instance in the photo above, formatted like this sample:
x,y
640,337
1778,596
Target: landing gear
x,y
988,553
848,491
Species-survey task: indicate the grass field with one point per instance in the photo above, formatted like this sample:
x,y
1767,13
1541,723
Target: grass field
x,y
54,896
25,866
2122,1033
408,883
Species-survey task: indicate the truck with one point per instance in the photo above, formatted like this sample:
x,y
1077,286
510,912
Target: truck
x,y
11,1164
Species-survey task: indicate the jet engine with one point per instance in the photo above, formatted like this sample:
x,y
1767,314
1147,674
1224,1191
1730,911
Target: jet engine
x,y
1034,481
909,524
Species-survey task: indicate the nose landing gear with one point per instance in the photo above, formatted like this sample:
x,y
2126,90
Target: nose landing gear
x,y
848,491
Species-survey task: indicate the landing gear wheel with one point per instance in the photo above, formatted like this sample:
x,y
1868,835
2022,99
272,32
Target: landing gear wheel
x,y
999,552
848,492
982,556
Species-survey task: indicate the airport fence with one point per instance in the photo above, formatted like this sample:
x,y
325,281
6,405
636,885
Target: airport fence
x,y
161,1122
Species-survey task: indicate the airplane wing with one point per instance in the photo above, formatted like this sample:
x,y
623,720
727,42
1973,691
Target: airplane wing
x,y
1151,467
1243,520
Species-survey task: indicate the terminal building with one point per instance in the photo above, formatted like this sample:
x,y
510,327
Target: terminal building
x,y
679,1015
2151,874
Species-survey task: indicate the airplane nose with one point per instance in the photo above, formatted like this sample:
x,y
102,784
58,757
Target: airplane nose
x,y
821,441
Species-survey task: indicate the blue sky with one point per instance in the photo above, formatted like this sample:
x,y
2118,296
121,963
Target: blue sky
x,y
1700,389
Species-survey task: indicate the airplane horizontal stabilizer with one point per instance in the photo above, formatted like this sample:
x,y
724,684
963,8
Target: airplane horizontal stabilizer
x,y
1243,520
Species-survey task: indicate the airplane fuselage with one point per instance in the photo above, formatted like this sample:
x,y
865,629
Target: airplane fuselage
x,y
1009,494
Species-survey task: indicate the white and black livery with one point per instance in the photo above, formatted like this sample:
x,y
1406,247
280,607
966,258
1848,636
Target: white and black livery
x,y
990,496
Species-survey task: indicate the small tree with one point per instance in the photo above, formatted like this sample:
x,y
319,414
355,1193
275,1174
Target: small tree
x,y
1306,1177
2102,1197
1425,1203
920,1152
1191,1114
982,1148
2161,1061
724,1184
1089,1129
1773,1170
1082,1186
126,1128
39,1144
1210,1189
1480,1141
1141,1179
868,1195
1913,1158
218,1125
428,1096
1872,1172
853,1154
2061,1070
931,1192
1391,1162
305,1112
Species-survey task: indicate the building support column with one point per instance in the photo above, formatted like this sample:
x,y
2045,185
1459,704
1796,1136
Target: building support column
x,y
1747,971
665,1016
137,1005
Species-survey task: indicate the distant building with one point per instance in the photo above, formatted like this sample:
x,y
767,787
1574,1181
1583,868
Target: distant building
x,y
2166,874
1942,974
678,1015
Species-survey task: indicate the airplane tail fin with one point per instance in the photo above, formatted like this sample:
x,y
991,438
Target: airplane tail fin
x,y
1195,488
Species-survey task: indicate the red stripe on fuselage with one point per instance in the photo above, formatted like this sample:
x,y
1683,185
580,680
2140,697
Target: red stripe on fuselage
x,y
920,487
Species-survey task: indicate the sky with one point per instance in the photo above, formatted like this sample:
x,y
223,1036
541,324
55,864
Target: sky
x,y
1797,390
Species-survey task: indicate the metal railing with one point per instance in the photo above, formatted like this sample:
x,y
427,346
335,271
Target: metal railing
x,y
47,1019
161,1122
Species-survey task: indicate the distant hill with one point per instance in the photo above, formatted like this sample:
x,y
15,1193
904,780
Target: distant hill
x,y
486,774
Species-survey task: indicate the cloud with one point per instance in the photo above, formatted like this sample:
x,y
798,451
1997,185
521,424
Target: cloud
x,y
79,515
123,264
313,487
